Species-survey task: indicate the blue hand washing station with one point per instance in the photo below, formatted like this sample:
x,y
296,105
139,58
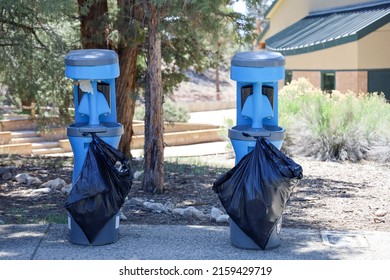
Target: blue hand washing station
x,y
94,72
257,74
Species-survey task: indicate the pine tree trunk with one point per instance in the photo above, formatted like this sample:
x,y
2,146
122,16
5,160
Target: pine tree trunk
x,y
93,24
153,179
125,96
217,83
126,83
217,80
93,35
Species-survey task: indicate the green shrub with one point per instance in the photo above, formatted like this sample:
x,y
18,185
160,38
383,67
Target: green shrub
x,y
336,126
172,113
224,133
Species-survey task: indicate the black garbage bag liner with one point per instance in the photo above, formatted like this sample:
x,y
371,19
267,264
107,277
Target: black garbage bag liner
x,y
101,188
255,192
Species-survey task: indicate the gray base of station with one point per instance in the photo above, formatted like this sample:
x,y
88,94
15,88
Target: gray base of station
x,y
240,240
107,235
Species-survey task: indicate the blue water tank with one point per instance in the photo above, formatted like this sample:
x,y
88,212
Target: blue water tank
x,y
93,72
257,74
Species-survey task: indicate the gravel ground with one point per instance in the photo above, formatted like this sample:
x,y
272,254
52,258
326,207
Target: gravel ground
x,y
335,195
331,195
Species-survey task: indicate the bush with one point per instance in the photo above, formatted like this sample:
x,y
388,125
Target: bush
x,y
172,113
333,126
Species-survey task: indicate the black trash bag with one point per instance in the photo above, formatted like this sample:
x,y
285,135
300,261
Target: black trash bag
x,y
255,192
101,188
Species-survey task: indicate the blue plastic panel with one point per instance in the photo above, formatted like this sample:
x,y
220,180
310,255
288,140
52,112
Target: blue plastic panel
x,y
99,72
91,57
252,75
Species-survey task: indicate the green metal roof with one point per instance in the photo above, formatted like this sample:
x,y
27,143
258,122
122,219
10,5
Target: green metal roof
x,y
332,27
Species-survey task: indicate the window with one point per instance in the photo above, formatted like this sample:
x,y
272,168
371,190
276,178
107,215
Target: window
x,y
328,81
288,77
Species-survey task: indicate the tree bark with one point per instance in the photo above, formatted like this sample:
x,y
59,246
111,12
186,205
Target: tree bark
x,y
217,80
93,24
125,96
153,179
94,29
127,81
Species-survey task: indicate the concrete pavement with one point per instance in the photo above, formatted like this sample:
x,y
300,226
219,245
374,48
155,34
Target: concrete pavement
x,y
177,242
219,117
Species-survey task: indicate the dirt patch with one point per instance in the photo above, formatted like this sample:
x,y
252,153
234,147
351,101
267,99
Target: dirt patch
x,y
331,195
345,195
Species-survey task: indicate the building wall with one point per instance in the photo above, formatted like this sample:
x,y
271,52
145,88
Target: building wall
x,y
350,61
369,52
343,57
373,49
355,81
313,76
284,14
